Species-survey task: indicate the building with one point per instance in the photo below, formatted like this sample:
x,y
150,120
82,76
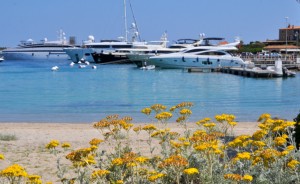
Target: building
x,y
288,41
290,34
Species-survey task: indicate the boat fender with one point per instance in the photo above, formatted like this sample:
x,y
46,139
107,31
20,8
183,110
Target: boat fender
x,y
183,60
197,59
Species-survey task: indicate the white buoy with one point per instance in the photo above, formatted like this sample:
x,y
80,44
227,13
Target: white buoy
x,y
94,67
81,66
87,63
72,64
54,68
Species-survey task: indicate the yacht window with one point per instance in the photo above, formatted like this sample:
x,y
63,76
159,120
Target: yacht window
x,y
87,54
212,53
195,50
177,47
98,46
207,62
121,46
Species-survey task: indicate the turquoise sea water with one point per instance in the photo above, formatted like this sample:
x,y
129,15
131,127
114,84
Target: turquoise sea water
x,y
31,92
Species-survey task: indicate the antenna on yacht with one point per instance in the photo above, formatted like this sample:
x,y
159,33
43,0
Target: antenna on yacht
x,y
201,37
136,27
164,39
125,21
62,36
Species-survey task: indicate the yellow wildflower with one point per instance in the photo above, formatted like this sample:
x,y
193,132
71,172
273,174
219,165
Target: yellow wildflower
x,y
158,107
290,148
280,141
99,173
93,148
264,117
259,134
293,163
203,121
120,182
174,160
142,159
95,142
234,177
117,161
244,156
259,144
191,171
14,171
232,123
185,112
149,128
52,144
284,153
209,125
2,157
34,179
137,129
154,177
163,116
66,145
247,178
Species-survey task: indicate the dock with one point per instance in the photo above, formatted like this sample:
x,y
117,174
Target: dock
x,y
249,72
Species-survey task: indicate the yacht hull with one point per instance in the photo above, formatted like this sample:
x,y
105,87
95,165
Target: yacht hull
x,y
194,62
76,54
35,55
110,58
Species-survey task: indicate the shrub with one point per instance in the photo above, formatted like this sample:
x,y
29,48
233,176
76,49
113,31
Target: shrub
x,y
297,131
8,137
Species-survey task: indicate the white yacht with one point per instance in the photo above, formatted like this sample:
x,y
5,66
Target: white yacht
x,y
141,57
1,59
210,57
44,50
91,48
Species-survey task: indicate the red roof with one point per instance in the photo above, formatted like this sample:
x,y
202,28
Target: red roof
x,y
290,27
269,47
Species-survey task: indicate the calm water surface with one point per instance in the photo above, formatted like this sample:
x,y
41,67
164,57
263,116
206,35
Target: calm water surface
x,y
31,92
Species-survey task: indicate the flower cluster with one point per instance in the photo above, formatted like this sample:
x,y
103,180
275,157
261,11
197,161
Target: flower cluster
x,y
207,153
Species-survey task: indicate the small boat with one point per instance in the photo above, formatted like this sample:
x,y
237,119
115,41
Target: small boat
x,y
1,59
148,67
54,68
288,73
276,70
81,66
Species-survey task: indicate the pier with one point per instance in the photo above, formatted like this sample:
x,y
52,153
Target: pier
x,y
249,72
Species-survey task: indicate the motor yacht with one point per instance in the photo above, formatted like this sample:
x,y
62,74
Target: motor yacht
x,y
141,57
210,57
30,50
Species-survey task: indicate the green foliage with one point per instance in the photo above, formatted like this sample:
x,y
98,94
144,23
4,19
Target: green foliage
x,y
297,130
8,137
253,47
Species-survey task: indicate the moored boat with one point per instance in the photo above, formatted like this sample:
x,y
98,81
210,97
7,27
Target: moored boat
x,y
30,50
210,57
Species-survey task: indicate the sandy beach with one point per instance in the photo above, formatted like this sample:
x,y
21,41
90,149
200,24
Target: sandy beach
x,y
29,148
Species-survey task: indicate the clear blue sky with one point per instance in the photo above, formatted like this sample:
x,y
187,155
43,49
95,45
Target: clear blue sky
x,y
251,20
